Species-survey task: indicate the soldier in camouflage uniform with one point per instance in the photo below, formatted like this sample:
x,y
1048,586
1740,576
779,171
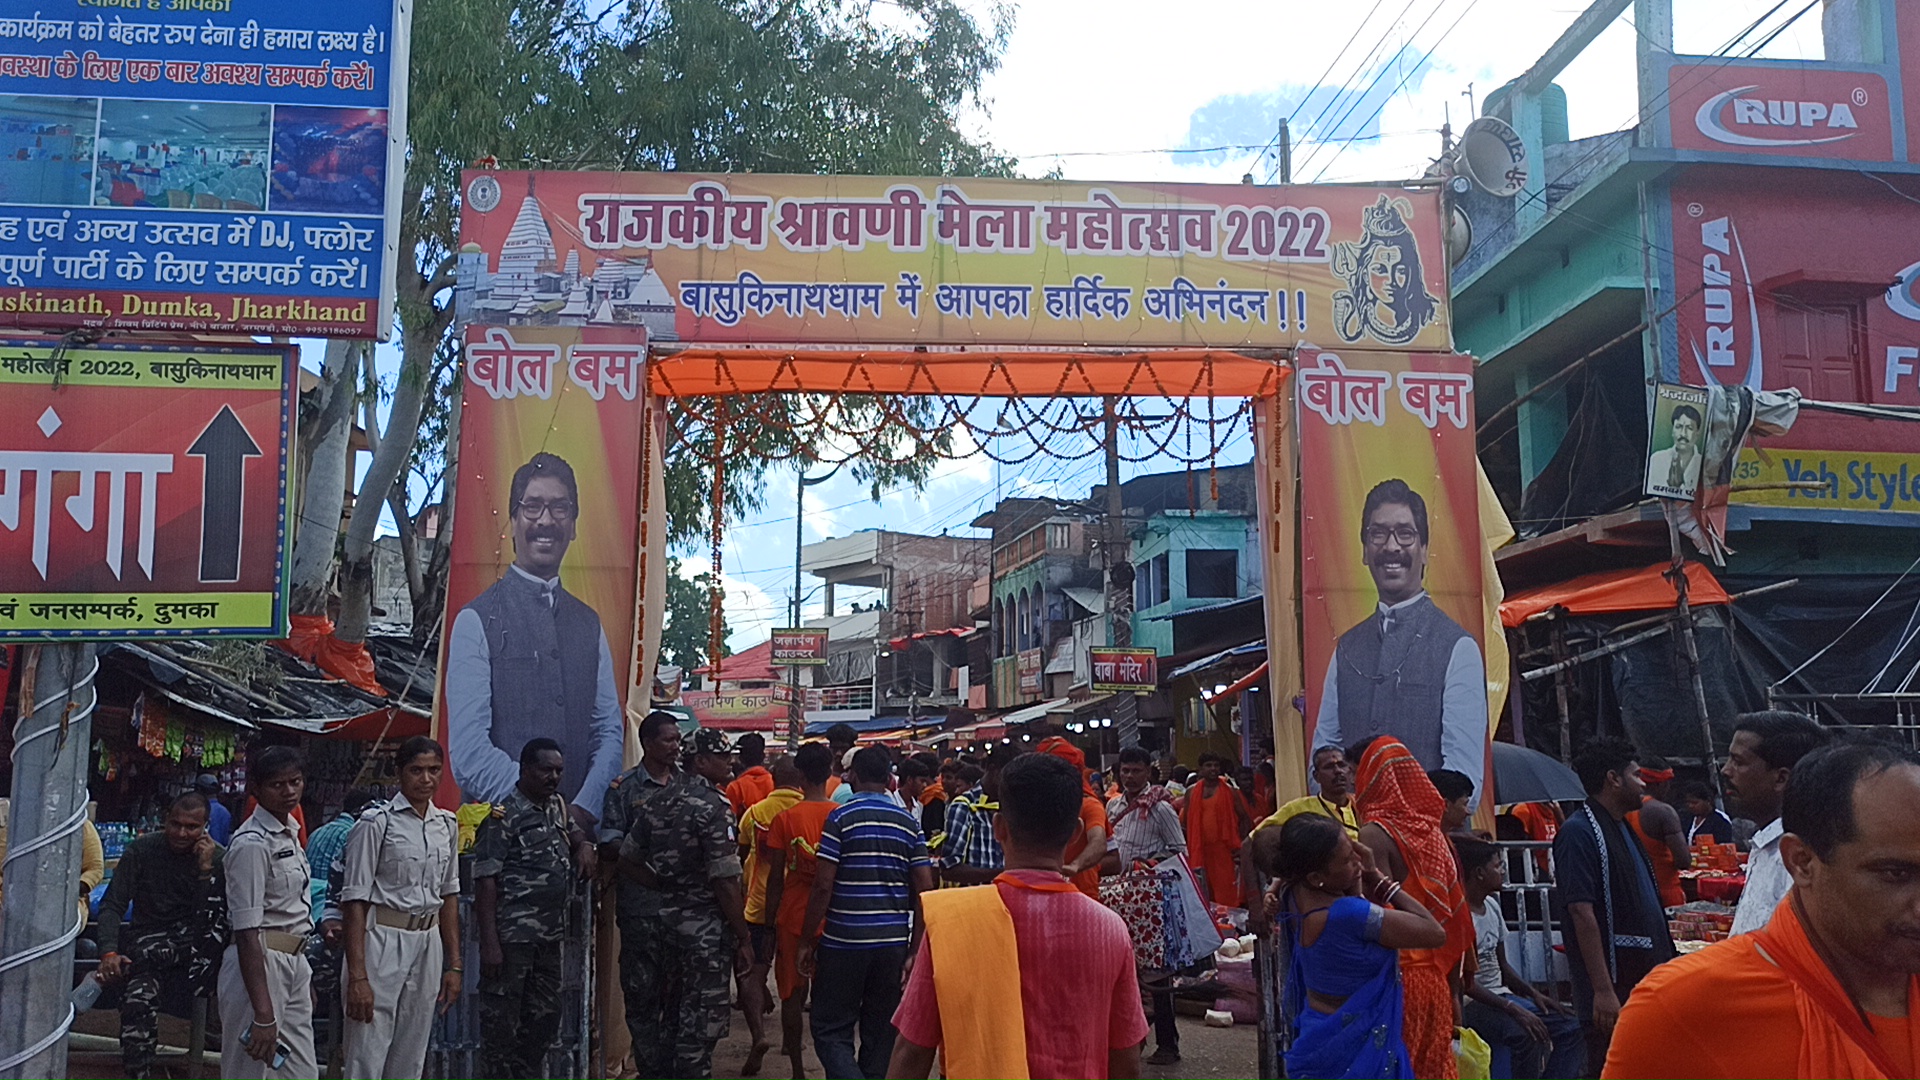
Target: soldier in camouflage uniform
x,y
526,857
168,952
637,910
684,844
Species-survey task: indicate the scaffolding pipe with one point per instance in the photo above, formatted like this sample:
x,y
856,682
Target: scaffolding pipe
x,y
40,918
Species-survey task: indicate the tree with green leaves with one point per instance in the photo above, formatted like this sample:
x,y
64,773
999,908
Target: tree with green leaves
x,y
805,86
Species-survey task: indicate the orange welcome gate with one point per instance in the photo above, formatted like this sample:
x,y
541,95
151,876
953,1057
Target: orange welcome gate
x,y
596,302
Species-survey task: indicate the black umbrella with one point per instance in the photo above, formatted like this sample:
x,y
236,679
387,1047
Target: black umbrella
x,y
1524,775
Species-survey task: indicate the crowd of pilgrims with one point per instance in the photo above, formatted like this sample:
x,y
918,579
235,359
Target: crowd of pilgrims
x,y
861,893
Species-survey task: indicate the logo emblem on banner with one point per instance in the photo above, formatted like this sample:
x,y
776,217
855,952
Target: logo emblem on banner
x,y
1904,295
1756,119
1385,297
484,194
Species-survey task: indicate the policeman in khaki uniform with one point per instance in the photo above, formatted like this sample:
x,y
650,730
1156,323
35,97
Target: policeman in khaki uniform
x,y
401,896
526,858
637,911
683,843
265,1002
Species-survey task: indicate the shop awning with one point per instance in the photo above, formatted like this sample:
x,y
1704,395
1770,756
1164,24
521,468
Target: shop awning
x,y
1033,712
1613,591
975,732
392,723
743,723
1093,600
1252,648
871,723
1087,704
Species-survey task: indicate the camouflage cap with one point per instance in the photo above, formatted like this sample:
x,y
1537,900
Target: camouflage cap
x,y
707,741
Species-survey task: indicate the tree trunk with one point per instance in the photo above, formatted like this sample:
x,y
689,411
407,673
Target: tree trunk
x,y
323,493
395,447
430,602
409,551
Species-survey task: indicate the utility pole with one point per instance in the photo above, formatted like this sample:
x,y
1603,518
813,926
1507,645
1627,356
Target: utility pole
x,y
1126,714
796,708
1286,152
39,920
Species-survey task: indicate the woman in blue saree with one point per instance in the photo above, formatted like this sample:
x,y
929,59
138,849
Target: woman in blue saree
x,y
1343,923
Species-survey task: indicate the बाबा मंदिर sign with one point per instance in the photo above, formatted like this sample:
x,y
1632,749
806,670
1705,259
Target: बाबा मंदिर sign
x,y
201,165
1124,670
143,490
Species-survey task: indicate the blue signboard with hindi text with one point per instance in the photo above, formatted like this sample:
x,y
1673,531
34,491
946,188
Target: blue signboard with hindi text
x,y
201,165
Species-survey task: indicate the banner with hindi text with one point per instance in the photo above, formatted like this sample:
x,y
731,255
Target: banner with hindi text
x,y
1391,554
143,490
541,593
878,260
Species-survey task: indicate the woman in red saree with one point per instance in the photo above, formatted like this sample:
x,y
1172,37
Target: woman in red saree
x,y
1217,823
1401,811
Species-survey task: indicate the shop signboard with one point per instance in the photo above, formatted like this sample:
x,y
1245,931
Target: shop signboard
x,y
798,647
1118,671
1780,110
143,490
750,709
855,260
1029,664
1829,479
1391,554
201,165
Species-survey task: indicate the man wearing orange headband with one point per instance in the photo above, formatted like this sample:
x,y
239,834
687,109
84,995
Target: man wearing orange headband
x,y
1083,855
1657,826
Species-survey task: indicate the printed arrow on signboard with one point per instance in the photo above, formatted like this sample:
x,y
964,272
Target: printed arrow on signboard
x,y
225,445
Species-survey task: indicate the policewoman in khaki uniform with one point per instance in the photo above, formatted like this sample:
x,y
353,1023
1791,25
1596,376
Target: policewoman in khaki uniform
x,y
401,896
266,1007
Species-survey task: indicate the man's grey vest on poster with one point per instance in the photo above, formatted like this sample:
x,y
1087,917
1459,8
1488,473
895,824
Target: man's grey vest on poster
x,y
545,670
1395,683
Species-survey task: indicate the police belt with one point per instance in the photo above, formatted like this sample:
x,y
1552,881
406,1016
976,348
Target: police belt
x,y
404,920
281,941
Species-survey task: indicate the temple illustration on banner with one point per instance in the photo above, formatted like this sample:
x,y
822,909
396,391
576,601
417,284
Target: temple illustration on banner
x,y
533,286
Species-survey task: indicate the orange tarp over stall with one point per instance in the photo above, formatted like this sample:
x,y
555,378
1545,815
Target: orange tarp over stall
x,y
985,373
1611,591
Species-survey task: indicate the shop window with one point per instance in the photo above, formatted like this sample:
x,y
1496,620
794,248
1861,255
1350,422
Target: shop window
x,y
1821,353
1213,575
1153,582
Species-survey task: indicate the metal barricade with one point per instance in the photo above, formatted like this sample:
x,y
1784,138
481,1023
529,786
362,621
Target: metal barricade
x,y
1527,903
455,1048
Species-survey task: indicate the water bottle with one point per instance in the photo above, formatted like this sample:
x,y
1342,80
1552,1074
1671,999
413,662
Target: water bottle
x,y
87,992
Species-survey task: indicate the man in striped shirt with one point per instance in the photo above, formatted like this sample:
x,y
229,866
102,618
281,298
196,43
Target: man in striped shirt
x,y
872,867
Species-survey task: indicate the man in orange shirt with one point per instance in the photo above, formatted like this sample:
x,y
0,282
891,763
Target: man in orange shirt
x,y
788,850
755,825
1081,862
1657,826
1828,986
754,782
1217,823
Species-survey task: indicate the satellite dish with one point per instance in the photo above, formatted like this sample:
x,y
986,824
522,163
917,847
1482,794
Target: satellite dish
x,y
1493,157
1459,236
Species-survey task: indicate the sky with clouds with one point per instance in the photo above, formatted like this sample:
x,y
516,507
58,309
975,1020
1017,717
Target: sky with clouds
x,y
1193,91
